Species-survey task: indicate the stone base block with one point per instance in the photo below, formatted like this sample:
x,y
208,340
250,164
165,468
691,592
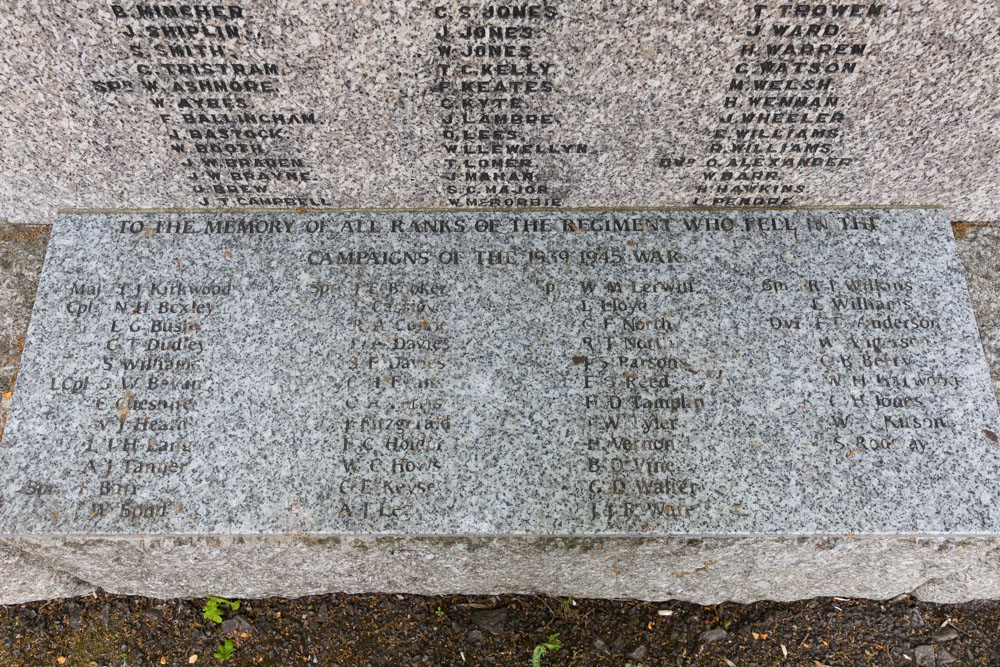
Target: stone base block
x,y
706,570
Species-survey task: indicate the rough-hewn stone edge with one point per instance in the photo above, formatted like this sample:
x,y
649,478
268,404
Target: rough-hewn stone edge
x,y
22,250
24,579
979,250
705,570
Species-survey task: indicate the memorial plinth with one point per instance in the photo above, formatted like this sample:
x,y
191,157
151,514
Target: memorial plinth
x,y
659,404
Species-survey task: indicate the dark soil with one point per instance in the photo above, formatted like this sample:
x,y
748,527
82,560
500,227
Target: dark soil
x,y
461,630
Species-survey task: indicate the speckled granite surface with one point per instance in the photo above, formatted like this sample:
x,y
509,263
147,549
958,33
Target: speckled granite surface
x,y
504,388
979,250
602,373
20,265
22,250
344,104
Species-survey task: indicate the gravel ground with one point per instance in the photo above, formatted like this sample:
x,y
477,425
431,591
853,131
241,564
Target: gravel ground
x,y
353,630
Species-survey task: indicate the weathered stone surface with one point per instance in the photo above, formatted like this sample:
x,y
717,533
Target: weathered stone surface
x,y
705,570
657,373
932,556
979,249
22,250
26,578
352,104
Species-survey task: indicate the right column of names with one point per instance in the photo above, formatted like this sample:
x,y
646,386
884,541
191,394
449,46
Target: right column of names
x,y
784,113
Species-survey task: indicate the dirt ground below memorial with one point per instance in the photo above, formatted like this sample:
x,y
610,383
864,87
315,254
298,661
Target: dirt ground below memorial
x,y
359,630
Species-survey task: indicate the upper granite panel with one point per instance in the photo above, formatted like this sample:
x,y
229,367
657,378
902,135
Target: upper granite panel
x,y
298,103
601,373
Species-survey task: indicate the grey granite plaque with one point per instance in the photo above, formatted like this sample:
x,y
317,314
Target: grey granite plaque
x,y
621,380
302,103
586,373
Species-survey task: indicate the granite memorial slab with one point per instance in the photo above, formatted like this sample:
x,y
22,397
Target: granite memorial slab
x,y
303,104
658,404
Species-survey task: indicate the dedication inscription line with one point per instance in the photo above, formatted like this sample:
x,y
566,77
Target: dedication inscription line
x,y
576,209
625,372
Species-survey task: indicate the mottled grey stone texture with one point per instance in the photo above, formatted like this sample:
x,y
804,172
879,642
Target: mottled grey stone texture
x,y
642,86
701,394
905,522
704,570
26,578
22,250
979,249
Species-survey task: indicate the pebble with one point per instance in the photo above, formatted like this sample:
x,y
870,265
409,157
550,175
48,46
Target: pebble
x,y
493,620
713,635
923,655
944,635
601,647
944,658
475,637
236,624
639,653
73,611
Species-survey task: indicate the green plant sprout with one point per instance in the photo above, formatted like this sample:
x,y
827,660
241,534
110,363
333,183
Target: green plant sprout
x,y
211,610
225,651
552,644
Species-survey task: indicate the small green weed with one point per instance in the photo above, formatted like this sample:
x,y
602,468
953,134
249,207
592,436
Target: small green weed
x,y
439,613
550,645
225,651
212,611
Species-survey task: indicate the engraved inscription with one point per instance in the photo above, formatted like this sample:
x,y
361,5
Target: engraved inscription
x,y
221,112
633,372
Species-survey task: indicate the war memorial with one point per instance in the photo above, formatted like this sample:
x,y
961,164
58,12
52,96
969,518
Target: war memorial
x,y
657,301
